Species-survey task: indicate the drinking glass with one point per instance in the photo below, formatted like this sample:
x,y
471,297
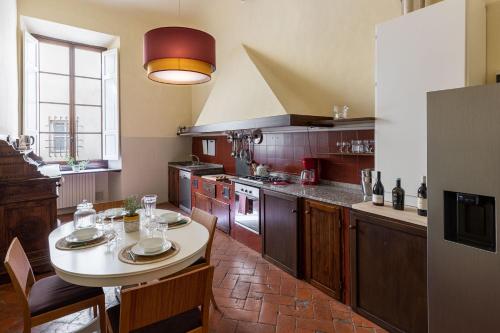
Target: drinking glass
x,y
149,204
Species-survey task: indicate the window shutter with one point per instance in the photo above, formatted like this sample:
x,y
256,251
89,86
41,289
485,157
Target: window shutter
x,y
110,114
30,89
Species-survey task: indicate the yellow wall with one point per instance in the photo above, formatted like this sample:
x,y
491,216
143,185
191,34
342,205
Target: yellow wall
x,y
148,109
321,50
493,41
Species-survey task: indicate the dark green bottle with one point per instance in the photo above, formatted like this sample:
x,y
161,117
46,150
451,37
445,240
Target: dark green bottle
x,y
398,196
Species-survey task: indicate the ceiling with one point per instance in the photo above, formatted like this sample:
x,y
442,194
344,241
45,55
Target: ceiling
x,y
165,6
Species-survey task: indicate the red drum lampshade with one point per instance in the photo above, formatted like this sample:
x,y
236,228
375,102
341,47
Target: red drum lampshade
x,y
178,55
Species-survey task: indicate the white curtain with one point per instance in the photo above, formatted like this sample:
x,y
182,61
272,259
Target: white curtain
x,y
9,112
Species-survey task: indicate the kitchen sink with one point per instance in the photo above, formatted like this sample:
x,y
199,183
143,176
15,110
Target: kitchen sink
x,y
194,165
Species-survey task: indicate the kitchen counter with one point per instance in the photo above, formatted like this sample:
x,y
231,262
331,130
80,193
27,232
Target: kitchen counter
x,y
331,194
200,169
408,215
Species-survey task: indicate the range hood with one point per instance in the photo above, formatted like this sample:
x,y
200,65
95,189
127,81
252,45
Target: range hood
x,y
248,95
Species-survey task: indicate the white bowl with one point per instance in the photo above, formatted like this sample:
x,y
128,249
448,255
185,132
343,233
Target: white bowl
x,y
153,244
169,217
84,234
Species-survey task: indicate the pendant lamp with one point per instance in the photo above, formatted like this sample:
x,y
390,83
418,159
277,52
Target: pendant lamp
x,y
179,55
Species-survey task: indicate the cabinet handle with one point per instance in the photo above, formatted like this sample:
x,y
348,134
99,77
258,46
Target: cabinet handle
x,y
308,212
294,211
352,226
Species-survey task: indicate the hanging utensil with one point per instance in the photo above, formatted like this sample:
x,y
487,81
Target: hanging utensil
x,y
257,136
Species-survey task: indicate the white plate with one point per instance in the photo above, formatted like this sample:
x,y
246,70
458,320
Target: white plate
x,y
138,250
180,218
84,235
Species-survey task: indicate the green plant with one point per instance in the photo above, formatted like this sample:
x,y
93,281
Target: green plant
x,y
83,164
72,161
131,205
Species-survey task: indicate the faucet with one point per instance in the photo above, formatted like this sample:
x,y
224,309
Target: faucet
x,y
195,157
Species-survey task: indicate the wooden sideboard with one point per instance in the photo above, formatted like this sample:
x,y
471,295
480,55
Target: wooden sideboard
x,y
28,208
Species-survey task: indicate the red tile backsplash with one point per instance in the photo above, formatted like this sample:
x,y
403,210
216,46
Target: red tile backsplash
x,y
285,151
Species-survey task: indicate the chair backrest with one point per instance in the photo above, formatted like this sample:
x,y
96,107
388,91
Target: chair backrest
x,y
107,205
153,302
208,221
20,271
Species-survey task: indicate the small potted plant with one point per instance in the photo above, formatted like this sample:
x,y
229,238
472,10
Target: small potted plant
x,y
131,220
73,164
83,164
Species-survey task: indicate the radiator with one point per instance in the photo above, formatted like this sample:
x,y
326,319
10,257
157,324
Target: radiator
x,y
76,188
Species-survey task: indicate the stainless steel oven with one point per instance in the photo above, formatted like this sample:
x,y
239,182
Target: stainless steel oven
x,y
247,207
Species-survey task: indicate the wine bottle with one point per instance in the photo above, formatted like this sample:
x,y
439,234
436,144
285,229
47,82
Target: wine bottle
x,y
422,198
378,192
398,196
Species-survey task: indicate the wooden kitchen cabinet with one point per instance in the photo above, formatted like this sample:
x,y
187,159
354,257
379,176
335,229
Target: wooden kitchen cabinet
x,y
223,212
173,186
323,247
280,230
201,201
389,272
28,209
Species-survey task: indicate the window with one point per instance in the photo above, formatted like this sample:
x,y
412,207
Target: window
x,y
70,109
70,99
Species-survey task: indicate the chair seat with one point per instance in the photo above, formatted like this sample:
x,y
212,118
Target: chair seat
x,y
52,293
181,323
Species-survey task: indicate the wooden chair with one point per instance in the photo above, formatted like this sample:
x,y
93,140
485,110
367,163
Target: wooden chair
x,y
176,304
107,205
210,222
49,298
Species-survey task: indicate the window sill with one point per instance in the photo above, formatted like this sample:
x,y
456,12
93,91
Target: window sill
x,y
71,172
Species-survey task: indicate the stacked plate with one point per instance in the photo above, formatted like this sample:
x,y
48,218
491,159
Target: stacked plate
x,y
85,235
151,246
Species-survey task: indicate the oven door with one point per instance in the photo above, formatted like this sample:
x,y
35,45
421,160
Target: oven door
x,y
247,212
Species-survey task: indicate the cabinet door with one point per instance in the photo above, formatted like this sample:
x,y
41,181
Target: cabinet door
x,y
173,186
389,272
280,231
223,212
203,202
323,247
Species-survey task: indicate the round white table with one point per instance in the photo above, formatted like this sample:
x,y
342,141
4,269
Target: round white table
x,y
99,266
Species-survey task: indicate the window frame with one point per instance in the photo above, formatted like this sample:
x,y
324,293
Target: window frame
x,y
73,133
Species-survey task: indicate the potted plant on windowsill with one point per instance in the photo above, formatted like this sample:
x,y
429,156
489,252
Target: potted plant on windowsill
x,y
75,166
131,220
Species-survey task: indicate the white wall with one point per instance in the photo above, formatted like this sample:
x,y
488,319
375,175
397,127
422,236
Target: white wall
x,y
9,116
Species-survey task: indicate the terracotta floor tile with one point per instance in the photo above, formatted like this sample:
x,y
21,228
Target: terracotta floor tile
x,y
230,302
253,279
221,292
265,288
229,281
288,287
304,293
268,313
239,314
322,310
286,324
246,327
364,330
241,271
342,326
252,304
278,299
241,290
318,325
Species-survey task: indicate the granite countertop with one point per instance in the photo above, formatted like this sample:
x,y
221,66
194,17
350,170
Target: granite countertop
x,y
330,194
198,169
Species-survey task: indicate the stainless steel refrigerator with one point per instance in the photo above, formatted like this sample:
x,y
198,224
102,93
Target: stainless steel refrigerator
x,y
463,189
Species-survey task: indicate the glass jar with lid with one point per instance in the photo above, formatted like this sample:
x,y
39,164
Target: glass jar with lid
x,y
85,216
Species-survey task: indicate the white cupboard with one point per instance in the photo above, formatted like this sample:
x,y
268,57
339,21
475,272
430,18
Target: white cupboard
x,y
442,46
